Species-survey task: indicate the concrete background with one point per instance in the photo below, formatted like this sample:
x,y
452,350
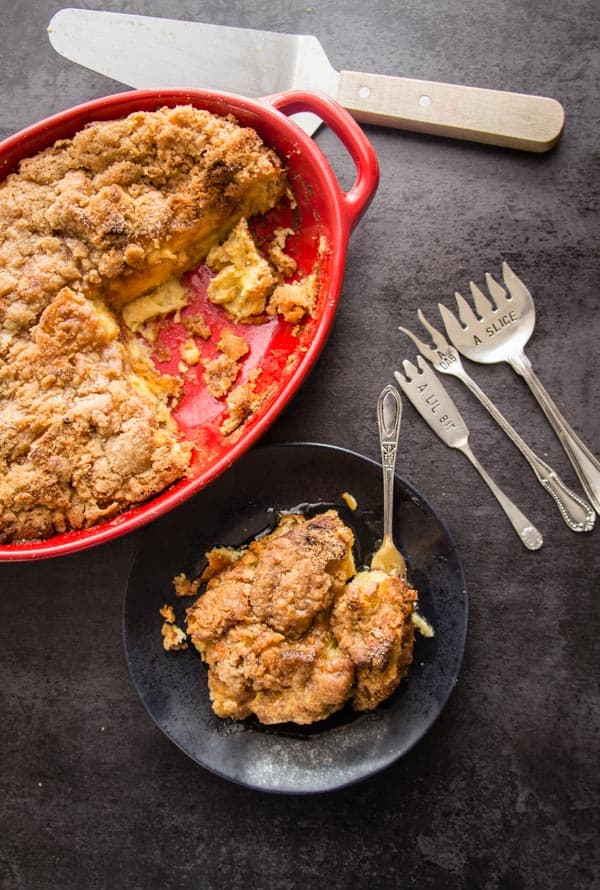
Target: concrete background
x,y
502,794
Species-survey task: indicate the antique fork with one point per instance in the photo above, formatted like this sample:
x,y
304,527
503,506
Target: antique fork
x,y
576,512
500,334
424,389
387,558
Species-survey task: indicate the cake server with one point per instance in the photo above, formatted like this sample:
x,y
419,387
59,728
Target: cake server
x,y
422,386
156,53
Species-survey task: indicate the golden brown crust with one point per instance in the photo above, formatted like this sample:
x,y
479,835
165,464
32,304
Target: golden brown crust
x,y
294,300
242,402
78,440
288,636
371,620
174,638
93,211
168,613
261,624
255,670
85,430
184,587
299,573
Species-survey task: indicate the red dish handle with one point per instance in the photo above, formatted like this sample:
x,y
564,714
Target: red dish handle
x,y
358,198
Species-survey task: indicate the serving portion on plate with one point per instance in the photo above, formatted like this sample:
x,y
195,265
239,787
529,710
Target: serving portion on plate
x,y
291,628
329,748
170,267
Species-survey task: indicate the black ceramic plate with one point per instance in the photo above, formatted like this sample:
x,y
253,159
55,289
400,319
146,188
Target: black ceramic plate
x,y
348,746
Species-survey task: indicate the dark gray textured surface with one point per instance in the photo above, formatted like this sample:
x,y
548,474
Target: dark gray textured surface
x,y
503,792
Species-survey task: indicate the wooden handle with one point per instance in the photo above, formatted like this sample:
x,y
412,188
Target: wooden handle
x,y
512,120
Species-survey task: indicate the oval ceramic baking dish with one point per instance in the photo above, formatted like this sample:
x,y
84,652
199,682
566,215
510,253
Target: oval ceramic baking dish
x,y
285,354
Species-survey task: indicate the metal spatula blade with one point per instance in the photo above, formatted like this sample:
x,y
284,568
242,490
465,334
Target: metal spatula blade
x,y
214,57
156,53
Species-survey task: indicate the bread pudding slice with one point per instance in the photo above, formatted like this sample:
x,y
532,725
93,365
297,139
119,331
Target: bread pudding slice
x,y
290,630
261,626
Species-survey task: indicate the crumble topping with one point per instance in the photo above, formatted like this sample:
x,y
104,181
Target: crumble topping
x,y
242,402
291,631
184,587
295,300
94,232
168,613
174,638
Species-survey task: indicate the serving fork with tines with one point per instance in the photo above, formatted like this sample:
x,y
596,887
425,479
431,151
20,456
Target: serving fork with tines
x,y
498,332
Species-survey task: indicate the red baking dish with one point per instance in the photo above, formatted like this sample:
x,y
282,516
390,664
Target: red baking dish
x,y
326,214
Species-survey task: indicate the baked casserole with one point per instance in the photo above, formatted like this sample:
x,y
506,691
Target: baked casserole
x,y
88,226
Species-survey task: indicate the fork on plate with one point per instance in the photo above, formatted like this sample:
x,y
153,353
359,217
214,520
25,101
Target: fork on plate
x,y
577,514
499,333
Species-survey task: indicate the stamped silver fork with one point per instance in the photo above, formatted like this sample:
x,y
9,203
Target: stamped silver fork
x,y
424,389
576,512
500,334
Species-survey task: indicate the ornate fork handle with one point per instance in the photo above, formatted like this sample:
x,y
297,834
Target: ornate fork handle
x,y
389,414
574,510
584,463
